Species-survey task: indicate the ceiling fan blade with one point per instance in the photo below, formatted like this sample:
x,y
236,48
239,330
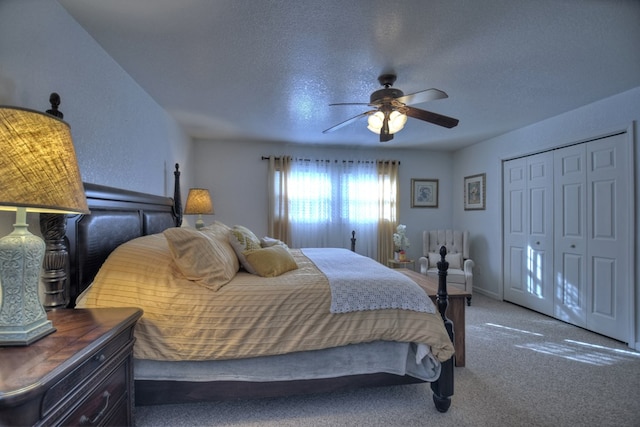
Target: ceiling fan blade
x,y
428,116
422,96
348,121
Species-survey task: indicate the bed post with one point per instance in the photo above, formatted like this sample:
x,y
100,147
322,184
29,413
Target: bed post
x,y
53,228
177,198
443,388
353,241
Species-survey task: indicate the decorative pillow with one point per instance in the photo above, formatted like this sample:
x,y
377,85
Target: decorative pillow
x,y
266,242
200,258
271,261
454,260
242,239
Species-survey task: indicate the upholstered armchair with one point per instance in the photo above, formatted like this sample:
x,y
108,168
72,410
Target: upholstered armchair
x,y
460,273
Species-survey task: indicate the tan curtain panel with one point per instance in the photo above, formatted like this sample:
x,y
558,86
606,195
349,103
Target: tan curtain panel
x,y
388,208
278,200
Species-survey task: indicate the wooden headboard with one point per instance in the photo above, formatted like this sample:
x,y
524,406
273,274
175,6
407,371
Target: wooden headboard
x,y
116,217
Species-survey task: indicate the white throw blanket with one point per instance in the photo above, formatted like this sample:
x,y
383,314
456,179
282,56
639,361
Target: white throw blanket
x,y
359,283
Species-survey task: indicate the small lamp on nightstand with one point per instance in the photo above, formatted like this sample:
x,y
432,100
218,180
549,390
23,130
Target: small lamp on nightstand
x,y
198,203
38,173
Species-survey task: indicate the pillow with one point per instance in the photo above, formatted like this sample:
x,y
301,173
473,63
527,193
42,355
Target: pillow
x,y
271,261
220,232
242,239
200,258
217,229
265,242
454,260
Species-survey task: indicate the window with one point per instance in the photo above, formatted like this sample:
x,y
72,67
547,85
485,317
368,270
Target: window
x,y
328,200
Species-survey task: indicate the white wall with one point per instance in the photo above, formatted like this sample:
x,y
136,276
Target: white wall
x,y
121,135
609,115
236,177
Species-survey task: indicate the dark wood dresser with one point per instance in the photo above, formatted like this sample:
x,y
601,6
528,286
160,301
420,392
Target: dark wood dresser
x,y
82,374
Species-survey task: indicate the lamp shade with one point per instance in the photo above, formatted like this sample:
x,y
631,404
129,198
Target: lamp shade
x,y
38,166
396,121
198,202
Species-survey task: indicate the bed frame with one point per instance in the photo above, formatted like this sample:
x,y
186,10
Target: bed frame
x,y
118,216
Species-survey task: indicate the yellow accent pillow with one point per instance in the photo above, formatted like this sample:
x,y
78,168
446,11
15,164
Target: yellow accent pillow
x,y
200,258
271,261
242,239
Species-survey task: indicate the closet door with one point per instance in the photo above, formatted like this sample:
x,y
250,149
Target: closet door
x,y
528,232
610,229
570,229
568,234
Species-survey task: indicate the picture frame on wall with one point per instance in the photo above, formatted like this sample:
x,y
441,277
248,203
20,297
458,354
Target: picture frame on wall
x,y
474,192
424,193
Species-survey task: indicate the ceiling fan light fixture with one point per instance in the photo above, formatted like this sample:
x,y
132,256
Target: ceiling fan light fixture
x,y
397,121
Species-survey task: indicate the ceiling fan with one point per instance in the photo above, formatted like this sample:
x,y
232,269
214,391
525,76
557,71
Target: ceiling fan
x,y
392,106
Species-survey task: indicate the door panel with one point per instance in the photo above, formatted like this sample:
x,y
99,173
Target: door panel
x,y
609,250
514,205
528,232
570,242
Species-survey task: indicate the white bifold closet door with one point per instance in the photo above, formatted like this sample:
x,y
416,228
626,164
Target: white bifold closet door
x,y
528,232
568,238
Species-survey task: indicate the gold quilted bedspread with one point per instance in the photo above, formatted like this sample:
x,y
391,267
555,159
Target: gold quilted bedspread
x,y
248,317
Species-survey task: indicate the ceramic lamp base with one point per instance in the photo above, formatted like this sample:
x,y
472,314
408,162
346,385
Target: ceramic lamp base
x,y
23,319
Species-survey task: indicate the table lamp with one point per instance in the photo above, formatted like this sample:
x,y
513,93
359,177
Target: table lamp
x,y
38,173
198,203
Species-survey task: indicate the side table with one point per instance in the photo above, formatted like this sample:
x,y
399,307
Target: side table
x,y
392,263
82,374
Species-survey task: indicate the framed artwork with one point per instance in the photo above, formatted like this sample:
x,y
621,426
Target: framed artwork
x,y
424,193
474,192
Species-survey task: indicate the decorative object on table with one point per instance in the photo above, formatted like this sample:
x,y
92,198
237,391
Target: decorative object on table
x,y
39,173
424,193
198,203
474,192
400,243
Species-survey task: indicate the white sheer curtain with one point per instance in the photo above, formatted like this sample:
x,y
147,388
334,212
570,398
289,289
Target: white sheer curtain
x,y
318,203
329,199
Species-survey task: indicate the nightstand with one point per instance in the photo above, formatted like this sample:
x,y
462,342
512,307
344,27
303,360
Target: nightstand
x,y
82,374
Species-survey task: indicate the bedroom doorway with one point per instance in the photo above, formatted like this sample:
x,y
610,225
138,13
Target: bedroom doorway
x,y
568,234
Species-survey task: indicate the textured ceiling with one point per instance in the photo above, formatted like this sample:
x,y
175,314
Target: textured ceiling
x,y
268,70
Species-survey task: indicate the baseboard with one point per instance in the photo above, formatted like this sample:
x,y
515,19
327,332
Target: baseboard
x,y
487,293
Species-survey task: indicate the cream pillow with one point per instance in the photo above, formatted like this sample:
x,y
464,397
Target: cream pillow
x,y
242,239
200,258
454,260
217,229
220,232
271,261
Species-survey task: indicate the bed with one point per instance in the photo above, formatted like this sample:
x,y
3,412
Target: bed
x,y
130,236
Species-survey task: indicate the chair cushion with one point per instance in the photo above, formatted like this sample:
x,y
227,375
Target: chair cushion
x,y
454,260
454,275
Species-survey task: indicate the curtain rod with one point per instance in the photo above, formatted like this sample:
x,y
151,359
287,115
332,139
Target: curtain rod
x,y
336,161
